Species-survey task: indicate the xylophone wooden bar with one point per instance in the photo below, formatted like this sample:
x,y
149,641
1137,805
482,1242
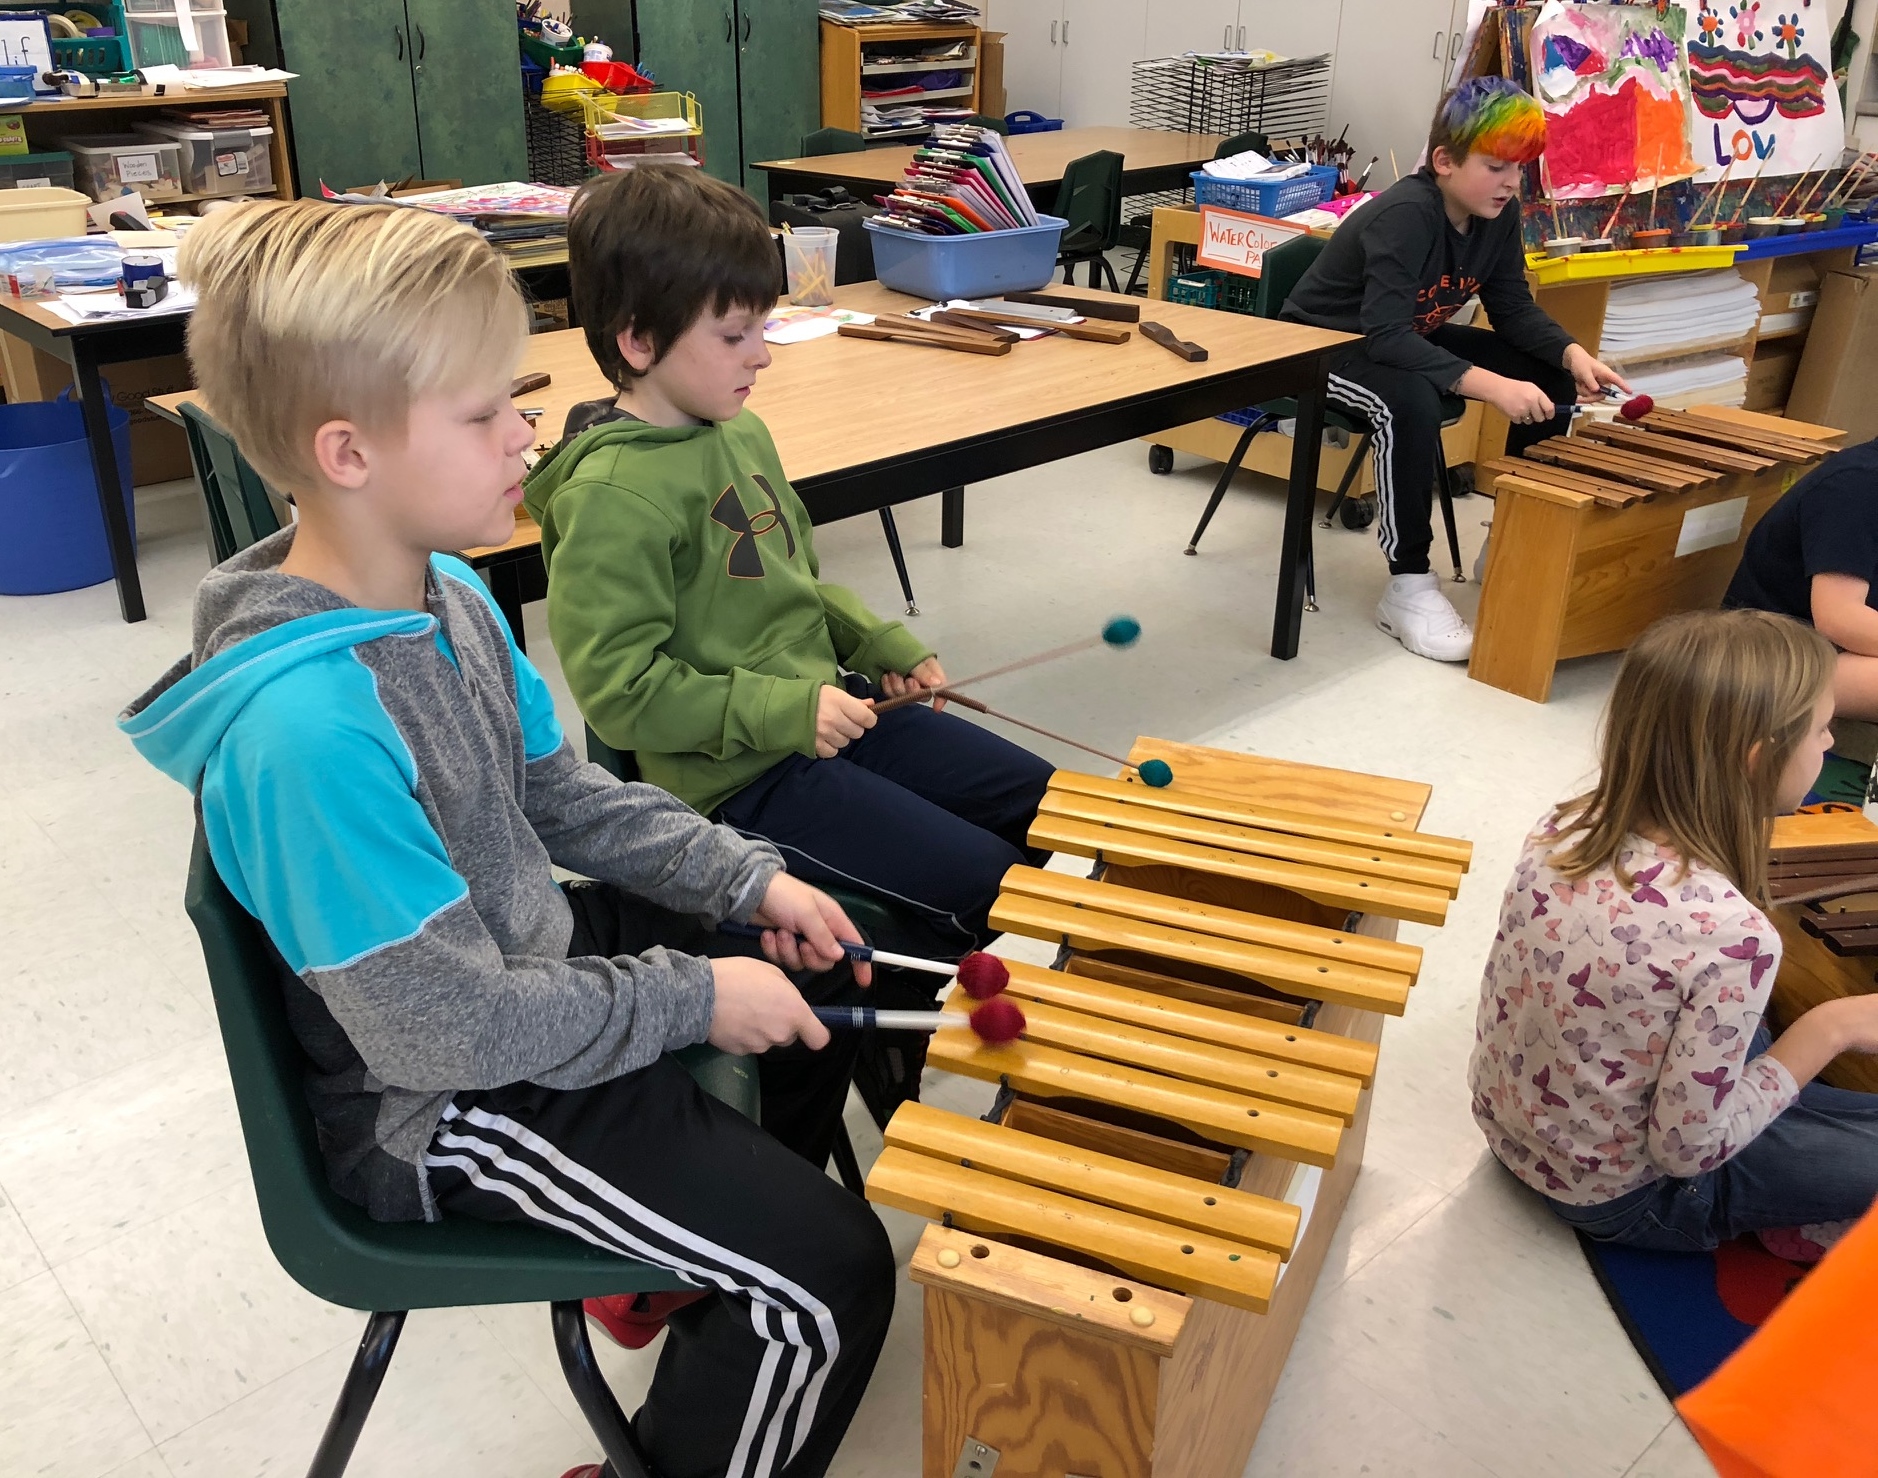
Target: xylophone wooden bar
x,y
1826,949
1599,534
1220,1211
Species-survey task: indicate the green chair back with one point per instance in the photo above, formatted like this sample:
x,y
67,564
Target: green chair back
x,y
1090,199
240,511
982,120
331,1247
1283,268
1240,142
833,141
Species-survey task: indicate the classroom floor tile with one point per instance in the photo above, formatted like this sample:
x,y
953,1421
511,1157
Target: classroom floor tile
x,y
146,1332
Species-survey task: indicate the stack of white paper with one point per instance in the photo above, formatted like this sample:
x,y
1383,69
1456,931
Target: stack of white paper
x,y
1661,317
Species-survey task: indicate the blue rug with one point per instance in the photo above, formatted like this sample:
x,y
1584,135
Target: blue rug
x,y
1686,1312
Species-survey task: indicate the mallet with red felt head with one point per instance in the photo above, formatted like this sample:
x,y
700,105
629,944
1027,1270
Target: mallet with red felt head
x,y
981,975
996,1021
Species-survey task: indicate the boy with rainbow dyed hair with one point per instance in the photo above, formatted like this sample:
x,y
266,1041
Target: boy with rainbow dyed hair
x,y
1395,272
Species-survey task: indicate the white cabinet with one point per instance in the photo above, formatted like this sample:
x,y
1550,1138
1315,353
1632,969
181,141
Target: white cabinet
x,y
1393,58
1288,28
1178,26
1070,59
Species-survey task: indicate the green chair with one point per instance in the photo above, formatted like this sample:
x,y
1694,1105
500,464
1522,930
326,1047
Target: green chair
x,y
982,120
240,510
1090,200
331,1248
833,141
1239,143
1283,268
1138,232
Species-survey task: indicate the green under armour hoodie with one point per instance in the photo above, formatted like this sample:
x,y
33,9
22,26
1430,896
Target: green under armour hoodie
x,y
684,603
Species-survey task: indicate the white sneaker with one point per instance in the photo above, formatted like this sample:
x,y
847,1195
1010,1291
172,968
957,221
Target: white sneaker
x,y
1415,612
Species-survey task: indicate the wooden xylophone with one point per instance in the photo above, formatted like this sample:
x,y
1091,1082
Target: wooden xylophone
x,y
1127,1241
1598,534
1825,945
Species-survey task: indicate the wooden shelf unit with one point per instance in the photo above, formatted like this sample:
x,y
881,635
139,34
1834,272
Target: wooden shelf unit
x,y
846,66
48,122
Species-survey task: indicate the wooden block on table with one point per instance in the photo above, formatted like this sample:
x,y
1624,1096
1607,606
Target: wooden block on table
x,y
1116,310
1372,800
1181,348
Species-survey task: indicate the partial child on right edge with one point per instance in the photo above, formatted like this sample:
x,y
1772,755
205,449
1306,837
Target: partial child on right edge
x,y
1396,271
1622,1067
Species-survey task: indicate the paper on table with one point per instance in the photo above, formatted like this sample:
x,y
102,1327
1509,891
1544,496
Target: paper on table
x,y
791,324
98,307
215,77
1022,333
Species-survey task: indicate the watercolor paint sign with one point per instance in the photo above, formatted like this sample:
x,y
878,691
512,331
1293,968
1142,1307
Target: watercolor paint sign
x,y
1760,82
1236,242
1614,83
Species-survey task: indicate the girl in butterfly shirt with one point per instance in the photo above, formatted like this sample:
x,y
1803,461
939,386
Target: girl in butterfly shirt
x,y
1620,1066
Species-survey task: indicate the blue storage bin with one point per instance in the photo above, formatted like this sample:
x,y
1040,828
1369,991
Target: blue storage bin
x,y
16,84
982,265
49,497
1025,121
1274,198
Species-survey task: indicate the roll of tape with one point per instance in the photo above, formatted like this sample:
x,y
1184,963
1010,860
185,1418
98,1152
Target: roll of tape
x,y
141,266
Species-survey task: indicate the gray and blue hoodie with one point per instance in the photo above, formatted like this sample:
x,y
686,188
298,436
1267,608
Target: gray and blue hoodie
x,y
385,791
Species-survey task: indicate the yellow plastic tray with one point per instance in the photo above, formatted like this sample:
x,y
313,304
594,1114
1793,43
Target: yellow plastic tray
x,y
1591,266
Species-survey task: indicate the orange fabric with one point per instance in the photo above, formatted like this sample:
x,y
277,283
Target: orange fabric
x,y
1800,1398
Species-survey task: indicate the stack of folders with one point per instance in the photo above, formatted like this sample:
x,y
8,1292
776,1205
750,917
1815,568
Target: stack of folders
x,y
963,182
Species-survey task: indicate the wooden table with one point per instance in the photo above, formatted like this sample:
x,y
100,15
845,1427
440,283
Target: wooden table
x,y
958,418
1152,159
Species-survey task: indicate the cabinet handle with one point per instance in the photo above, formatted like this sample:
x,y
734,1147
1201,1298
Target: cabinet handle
x,y
1053,33
1242,38
729,28
1225,40
746,27
1066,33
422,47
1454,44
1436,53
398,33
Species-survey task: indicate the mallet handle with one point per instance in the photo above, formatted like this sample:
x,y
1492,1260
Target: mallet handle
x,y
859,1018
852,951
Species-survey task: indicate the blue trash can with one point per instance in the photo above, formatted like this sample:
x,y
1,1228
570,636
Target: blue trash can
x,y
49,497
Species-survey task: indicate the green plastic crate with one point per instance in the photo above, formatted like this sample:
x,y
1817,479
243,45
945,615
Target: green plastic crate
x,y
1197,289
96,56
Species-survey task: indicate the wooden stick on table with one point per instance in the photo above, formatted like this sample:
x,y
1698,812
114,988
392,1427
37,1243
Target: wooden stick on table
x,y
1098,332
931,341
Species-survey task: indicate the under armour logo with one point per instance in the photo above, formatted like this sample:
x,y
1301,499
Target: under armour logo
x,y
746,561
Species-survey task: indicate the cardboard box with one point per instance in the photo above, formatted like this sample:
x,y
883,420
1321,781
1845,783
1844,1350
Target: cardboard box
x,y
1835,385
991,99
1770,377
13,134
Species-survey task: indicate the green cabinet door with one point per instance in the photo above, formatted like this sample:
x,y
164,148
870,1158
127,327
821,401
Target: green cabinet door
x,y
779,74
353,118
468,71
688,46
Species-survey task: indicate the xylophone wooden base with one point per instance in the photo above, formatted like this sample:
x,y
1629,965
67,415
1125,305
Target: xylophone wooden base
x,y
1567,576
1810,973
1040,1360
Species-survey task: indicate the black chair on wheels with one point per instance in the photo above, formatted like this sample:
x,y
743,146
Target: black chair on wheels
x,y
1090,200
1283,267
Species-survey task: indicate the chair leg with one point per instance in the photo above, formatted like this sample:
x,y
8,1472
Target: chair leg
x,y
1445,487
594,1395
847,1166
1253,427
1349,476
1108,272
1134,272
1310,577
376,1347
892,531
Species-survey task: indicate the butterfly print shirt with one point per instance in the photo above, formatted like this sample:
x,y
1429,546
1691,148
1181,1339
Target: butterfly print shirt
x,y
1611,1044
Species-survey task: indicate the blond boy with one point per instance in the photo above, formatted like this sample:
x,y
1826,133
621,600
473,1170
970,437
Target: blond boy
x,y
383,784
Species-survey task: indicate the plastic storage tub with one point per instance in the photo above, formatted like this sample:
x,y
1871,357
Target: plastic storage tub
x,y
231,161
164,32
41,213
51,168
1274,198
49,497
112,164
1025,121
16,84
977,266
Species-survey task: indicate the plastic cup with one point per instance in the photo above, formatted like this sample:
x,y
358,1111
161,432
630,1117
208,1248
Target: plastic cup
x,y
1792,225
809,264
1734,234
1761,227
1649,240
1564,246
1599,243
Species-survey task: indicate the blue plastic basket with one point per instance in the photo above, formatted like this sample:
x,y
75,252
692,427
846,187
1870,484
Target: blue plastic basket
x,y
16,84
1273,198
976,266
1025,121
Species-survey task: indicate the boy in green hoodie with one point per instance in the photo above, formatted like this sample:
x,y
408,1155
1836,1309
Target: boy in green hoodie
x,y
683,589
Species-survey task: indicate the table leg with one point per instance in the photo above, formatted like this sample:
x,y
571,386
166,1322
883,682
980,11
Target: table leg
x,y
1300,504
110,499
952,517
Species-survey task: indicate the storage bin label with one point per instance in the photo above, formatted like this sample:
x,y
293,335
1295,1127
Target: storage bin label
x,y
233,162
135,169
1236,242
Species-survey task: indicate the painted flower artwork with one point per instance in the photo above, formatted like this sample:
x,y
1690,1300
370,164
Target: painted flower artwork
x,y
1789,34
1747,19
